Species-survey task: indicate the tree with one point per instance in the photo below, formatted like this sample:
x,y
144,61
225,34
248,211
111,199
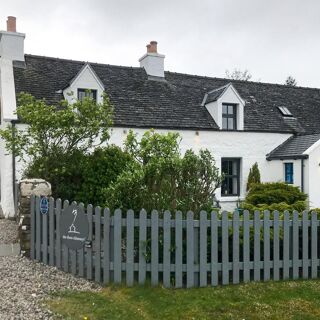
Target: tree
x,y
56,138
161,178
290,81
237,74
254,176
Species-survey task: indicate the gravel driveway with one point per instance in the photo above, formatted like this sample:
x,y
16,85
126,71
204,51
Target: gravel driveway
x,y
24,283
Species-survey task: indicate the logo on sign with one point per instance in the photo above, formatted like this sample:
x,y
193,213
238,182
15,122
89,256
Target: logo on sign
x,y
44,205
74,227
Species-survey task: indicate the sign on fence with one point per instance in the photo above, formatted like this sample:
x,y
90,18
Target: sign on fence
x,y
74,227
44,205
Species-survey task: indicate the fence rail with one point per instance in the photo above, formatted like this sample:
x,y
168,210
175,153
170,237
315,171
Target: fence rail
x,y
179,250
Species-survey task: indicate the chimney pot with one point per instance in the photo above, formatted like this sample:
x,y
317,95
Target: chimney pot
x,y
11,24
153,46
148,48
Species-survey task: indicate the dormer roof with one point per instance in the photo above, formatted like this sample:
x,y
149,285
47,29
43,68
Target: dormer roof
x,y
218,93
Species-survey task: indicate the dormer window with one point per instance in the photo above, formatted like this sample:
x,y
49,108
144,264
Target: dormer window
x,y
82,93
285,112
226,107
229,116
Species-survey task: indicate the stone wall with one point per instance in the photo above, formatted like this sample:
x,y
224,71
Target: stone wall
x,y
27,188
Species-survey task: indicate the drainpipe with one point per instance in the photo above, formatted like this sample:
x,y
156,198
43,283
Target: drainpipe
x,y
302,175
13,124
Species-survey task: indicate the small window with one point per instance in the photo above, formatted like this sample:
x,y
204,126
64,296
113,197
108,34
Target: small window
x,y
285,111
231,172
82,93
229,117
288,172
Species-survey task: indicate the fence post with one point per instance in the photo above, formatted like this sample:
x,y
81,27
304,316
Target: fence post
x,y
27,188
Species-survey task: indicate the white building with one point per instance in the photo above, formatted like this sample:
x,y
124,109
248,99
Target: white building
x,y
240,122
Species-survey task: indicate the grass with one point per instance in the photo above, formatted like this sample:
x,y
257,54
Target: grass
x,y
270,300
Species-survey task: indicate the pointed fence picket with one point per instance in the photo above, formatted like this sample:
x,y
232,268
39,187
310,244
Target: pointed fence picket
x,y
180,250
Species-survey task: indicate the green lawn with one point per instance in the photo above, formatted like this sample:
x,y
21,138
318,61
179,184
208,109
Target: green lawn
x,y
272,300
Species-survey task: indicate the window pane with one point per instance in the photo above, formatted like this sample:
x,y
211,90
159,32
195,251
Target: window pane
x,y
234,185
224,109
289,173
224,123
230,123
230,109
225,167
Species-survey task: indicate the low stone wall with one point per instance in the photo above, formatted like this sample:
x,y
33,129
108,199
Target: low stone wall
x,y
27,188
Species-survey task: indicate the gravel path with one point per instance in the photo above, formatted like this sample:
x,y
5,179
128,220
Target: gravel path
x,y
8,231
23,284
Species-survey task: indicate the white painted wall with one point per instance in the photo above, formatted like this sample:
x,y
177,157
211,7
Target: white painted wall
x,y
313,172
11,49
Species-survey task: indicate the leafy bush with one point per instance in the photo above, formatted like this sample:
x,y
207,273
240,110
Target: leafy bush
x,y
101,168
163,179
62,170
274,196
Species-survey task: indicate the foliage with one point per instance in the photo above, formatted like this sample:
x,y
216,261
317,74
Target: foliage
x,y
101,168
63,171
56,140
163,179
254,176
256,300
274,196
291,81
74,126
237,74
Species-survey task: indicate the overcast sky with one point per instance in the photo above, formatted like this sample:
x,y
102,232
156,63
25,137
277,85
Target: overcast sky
x,y
270,38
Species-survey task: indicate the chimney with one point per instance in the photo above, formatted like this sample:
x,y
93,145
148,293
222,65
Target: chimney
x,y
12,42
11,24
153,62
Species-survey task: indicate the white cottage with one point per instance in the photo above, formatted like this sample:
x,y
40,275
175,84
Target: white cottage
x,y
241,122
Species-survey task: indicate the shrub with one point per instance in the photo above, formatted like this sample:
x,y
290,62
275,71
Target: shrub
x,y
163,179
62,170
254,176
101,168
274,196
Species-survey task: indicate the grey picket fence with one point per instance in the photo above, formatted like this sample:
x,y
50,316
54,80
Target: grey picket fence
x,y
177,250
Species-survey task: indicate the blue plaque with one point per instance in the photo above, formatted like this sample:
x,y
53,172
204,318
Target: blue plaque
x,y
44,205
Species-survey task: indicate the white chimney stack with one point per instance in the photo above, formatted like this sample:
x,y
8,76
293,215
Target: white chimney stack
x,y
153,62
12,42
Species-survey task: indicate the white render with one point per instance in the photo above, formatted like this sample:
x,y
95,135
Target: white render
x,y
11,50
153,63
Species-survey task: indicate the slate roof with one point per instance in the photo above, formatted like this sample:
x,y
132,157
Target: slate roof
x,y
176,102
215,94
294,147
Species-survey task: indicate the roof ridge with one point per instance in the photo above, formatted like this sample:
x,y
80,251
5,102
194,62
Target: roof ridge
x,y
179,73
81,61
243,81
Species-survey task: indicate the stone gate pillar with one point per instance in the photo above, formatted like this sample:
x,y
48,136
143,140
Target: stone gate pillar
x,y
27,188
